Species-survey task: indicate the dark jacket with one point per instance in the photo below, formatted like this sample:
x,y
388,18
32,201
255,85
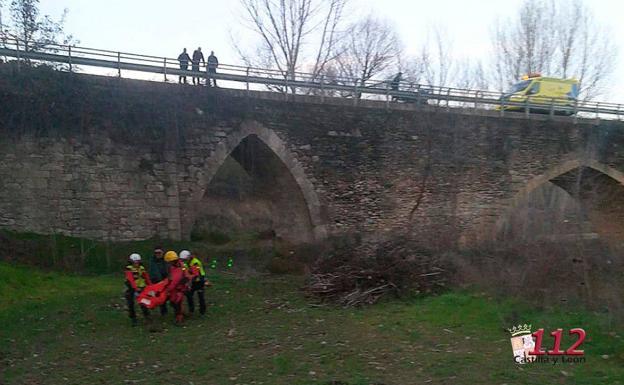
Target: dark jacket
x,y
394,85
158,269
184,58
213,62
198,57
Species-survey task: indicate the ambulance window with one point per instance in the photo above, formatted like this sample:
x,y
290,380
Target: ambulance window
x,y
520,86
534,89
575,91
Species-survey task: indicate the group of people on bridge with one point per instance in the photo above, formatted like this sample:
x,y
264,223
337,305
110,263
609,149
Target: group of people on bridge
x,y
170,278
198,59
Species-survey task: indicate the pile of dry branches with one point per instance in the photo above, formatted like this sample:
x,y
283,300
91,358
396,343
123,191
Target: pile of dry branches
x,y
362,275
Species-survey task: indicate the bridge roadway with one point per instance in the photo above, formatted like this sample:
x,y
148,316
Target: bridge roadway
x,y
446,96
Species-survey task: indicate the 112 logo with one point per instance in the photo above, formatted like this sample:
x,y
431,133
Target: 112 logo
x,y
527,346
556,350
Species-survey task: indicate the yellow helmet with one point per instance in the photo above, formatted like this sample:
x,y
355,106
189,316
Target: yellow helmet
x,y
171,256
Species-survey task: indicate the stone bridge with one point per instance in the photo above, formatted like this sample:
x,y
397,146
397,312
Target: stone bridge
x,y
109,158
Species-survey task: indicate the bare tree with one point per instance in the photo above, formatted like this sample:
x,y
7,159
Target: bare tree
x,y
33,30
292,32
590,55
1,23
413,69
370,47
470,74
440,66
435,63
557,38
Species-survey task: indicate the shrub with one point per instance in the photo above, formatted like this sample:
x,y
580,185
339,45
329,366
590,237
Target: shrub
x,y
359,275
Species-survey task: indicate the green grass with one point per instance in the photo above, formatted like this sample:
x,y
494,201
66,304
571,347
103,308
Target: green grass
x,y
61,329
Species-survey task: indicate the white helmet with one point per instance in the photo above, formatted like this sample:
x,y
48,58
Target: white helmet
x,y
134,257
184,255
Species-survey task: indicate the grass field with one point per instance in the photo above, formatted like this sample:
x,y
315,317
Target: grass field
x,y
61,329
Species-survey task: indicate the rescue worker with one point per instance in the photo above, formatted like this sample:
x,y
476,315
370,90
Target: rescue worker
x,y
211,65
198,57
197,276
158,271
136,280
177,284
184,60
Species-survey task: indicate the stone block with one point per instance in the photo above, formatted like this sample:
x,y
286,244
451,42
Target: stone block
x,y
156,187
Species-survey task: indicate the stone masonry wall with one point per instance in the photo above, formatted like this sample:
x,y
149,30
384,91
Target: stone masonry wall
x,y
109,158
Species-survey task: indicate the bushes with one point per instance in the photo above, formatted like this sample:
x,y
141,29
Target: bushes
x,y
355,275
547,273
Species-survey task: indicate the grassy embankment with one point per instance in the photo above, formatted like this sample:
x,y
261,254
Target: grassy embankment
x,y
63,329
79,255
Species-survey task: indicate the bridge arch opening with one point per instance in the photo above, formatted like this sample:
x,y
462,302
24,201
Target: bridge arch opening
x,y
562,237
574,200
254,184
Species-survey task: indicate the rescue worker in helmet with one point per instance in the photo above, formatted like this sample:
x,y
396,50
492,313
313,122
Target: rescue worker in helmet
x,y
136,280
178,284
197,275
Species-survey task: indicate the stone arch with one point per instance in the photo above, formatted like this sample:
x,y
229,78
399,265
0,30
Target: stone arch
x,y
226,146
550,175
563,168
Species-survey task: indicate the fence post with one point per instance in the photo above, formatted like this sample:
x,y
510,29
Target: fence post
x,y
527,110
322,88
165,68
418,95
119,64
575,112
387,85
355,93
19,59
475,102
552,107
247,80
70,59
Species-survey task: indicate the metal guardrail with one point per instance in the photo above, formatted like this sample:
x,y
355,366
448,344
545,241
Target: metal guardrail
x,y
301,82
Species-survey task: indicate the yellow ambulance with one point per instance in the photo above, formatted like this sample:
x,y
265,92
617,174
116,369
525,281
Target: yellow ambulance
x,y
542,93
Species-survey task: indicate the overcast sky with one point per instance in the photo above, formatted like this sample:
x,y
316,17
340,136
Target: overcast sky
x,y
163,27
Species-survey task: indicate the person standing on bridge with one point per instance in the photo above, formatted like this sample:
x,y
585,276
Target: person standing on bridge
x,y
212,64
198,57
184,60
394,84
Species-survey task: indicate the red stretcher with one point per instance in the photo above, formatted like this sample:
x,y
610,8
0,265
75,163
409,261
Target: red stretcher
x,y
154,295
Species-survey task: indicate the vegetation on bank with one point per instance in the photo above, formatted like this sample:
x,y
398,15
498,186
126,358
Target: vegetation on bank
x,y
60,328
80,255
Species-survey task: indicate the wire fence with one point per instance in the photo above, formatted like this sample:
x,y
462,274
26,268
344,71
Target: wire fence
x,y
130,65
